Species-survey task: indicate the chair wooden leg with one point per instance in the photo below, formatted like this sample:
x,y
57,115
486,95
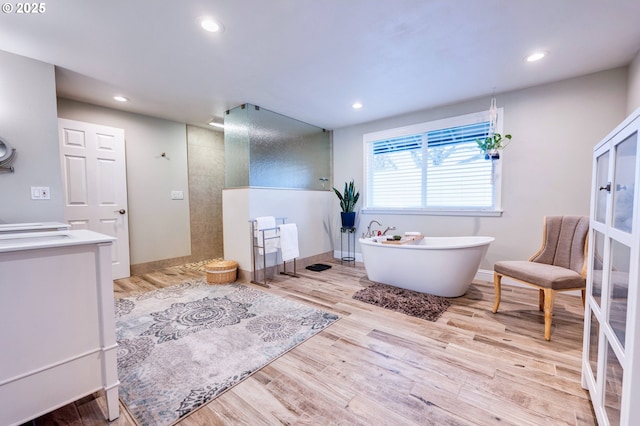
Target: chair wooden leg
x,y
549,297
584,297
496,285
541,300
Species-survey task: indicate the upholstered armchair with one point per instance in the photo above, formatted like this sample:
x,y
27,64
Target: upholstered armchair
x,y
559,265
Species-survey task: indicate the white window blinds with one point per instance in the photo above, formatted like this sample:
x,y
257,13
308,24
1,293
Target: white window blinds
x,y
437,169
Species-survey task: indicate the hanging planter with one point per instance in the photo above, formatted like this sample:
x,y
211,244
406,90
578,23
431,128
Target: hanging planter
x,y
493,154
491,145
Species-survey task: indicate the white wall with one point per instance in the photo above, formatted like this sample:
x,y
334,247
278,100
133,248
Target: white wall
x,y
158,226
28,122
633,92
311,211
546,168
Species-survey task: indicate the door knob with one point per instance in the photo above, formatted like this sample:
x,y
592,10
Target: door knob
x,y
606,188
121,211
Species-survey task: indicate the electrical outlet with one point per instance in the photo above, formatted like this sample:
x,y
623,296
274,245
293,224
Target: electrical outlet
x,y
177,195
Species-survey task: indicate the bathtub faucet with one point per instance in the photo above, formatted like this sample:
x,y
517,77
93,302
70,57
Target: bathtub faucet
x,y
369,234
389,228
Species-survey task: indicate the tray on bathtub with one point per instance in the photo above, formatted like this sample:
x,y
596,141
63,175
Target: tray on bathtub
x,y
404,240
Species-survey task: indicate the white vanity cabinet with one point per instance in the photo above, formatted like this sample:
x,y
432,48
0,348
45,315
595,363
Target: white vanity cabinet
x,y
57,323
611,351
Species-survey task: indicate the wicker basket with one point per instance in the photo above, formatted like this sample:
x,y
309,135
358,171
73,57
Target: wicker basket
x,y
221,271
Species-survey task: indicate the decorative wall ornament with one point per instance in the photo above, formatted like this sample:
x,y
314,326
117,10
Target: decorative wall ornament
x,y
7,156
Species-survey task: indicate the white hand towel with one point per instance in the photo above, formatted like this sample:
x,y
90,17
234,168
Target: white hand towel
x,y
266,234
289,241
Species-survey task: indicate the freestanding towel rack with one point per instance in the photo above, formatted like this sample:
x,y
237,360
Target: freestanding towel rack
x,y
259,242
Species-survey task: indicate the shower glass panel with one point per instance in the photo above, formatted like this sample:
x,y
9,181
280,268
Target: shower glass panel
x,y
236,148
277,151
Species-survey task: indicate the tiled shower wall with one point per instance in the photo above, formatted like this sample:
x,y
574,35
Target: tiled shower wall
x,y
205,154
205,157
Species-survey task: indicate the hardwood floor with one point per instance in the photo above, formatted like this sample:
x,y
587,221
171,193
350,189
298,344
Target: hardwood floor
x,y
378,367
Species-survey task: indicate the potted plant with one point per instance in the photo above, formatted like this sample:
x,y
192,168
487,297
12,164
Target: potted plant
x,y
492,144
348,199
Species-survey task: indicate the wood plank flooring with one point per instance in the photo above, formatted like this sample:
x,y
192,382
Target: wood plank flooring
x,y
378,367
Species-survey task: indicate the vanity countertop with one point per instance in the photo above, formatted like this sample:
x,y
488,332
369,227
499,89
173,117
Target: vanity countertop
x,y
32,227
18,241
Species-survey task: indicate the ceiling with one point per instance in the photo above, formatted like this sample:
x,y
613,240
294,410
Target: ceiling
x,y
312,59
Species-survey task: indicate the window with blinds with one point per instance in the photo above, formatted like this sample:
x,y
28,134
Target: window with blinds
x,y
431,167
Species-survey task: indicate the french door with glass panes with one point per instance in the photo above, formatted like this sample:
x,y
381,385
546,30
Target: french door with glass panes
x,y
611,351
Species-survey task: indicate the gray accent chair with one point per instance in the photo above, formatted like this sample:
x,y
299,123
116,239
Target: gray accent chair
x,y
559,265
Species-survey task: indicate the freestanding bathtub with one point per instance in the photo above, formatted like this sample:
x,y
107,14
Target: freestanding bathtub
x,y
443,266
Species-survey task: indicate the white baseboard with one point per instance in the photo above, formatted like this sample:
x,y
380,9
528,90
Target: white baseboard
x,y
337,254
485,275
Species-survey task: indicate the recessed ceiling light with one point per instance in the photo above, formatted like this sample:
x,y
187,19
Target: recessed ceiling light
x,y
211,25
216,124
536,56
120,98
356,105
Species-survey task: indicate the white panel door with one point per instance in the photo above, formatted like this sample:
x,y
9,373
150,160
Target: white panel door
x,y
95,184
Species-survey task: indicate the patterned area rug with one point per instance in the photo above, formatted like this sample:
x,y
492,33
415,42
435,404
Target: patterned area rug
x,y
414,303
182,346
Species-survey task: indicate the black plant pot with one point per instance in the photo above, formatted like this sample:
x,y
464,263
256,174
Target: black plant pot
x,y
348,219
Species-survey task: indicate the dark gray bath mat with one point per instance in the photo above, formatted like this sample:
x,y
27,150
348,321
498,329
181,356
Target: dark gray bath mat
x,y
318,267
409,302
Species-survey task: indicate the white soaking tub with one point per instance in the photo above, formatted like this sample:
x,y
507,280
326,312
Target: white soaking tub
x,y
443,266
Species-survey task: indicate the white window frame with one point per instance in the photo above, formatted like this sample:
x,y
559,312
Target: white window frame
x,y
461,120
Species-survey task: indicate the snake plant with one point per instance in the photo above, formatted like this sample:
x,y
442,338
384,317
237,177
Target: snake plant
x,y
348,198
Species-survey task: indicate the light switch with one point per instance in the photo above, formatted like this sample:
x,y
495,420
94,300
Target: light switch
x,y
177,195
40,193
